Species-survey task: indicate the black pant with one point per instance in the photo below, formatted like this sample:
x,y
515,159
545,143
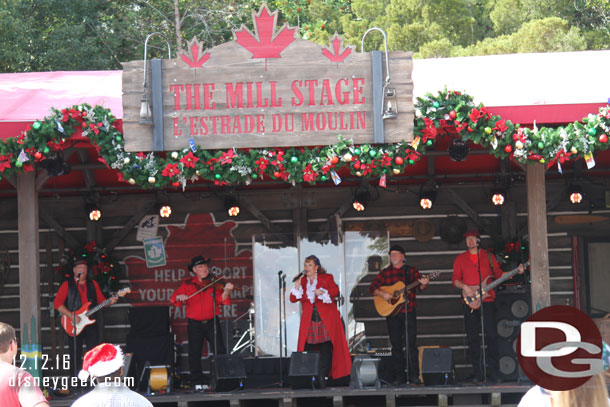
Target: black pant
x,y
326,355
396,329
90,338
473,331
197,331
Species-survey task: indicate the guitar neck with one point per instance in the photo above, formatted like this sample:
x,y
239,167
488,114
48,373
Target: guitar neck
x,y
98,307
502,279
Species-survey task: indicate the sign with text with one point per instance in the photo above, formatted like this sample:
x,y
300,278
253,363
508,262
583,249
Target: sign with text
x,y
267,89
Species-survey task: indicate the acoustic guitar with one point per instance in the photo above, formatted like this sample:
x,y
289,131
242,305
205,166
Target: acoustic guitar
x,y
84,313
398,289
474,301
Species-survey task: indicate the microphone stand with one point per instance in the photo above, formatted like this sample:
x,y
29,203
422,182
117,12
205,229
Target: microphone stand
x,y
482,313
406,304
284,310
280,284
74,329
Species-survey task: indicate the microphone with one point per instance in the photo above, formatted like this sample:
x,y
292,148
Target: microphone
x,y
478,242
279,273
78,275
298,276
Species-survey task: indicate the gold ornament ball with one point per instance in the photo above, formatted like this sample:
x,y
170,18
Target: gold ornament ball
x,y
358,173
197,172
132,181
573,150
395,171
126,160
347,157
151,180
542,161
519,145
174,155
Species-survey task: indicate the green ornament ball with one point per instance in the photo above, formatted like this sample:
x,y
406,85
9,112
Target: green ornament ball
x,y
254,176
118,138
323,177
591,131
487,130
294,159
373,153
411,162
18,164
217,176
46,150
36,125
436,105
429,143
540,145
357,151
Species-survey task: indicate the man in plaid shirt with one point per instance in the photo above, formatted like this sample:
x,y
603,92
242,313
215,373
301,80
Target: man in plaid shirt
x,y
398,270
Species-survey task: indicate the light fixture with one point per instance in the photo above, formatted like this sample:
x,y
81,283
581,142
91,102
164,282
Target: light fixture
x,y
498,196
576,194
389,105
426,199
95,213
361,200
232,206
55,164
165,210
145,110
458,149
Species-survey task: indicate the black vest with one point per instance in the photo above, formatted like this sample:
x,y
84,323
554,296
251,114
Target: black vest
x,y
74,303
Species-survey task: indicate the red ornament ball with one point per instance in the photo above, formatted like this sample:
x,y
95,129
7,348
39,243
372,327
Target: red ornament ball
x,y
603,138
399,160
334,160
276,174
38,155
515,137
508,148
452,114
176,184
357,166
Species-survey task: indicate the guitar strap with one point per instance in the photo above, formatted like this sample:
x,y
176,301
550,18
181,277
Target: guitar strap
x,y
491,266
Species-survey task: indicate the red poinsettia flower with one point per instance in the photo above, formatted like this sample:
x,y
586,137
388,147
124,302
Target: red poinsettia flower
x,y
189,160
227,158
308,174
475,115
500,126
170,170
412,154
141,154
262,163
430,132
386,160
94,128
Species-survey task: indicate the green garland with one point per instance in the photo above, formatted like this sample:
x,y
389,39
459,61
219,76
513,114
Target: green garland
x,y
448,114
102,268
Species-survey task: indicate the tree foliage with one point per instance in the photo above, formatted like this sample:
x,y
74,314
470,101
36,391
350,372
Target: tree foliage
x,y
42,35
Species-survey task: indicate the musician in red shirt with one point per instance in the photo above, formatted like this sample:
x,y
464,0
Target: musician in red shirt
x,y
200,310
71,296
466,277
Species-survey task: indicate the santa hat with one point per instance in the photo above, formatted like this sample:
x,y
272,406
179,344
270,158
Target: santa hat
x,y
100,361
472,232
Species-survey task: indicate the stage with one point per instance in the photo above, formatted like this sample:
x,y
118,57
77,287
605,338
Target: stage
x,y
505,395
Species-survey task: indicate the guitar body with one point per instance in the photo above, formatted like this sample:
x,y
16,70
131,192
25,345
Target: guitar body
x,y
386,308
474,301
66,322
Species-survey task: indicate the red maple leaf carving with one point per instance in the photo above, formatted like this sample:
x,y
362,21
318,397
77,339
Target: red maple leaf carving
x,y
337,55
192,59
266,43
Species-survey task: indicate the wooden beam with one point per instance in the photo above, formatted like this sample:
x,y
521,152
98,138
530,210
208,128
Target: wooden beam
x,y
250,207
120,235
463,205
89,177
537,226
41,179
46,216
29,269
11,180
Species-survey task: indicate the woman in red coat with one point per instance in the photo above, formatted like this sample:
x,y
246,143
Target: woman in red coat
x,y
321,326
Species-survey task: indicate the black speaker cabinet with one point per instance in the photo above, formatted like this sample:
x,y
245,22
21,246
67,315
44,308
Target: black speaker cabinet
x,y
437,366
228,373
512,309
304,372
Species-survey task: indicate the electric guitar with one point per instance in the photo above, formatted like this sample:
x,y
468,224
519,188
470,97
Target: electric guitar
x,y
398,289
474,301
84,312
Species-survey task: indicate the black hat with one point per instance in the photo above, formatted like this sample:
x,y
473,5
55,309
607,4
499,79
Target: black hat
x,y
397,248
197,261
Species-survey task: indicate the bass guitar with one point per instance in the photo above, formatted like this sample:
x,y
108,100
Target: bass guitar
x,y
398,290
474,301
84,312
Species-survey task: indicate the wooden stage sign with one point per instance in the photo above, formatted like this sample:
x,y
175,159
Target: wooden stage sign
x,y
267,89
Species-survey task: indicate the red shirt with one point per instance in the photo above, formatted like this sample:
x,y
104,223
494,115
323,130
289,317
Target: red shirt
x,y
391,275
18,388
62,294
465,269
199,307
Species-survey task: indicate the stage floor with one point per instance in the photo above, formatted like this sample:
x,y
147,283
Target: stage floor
x,y
506,395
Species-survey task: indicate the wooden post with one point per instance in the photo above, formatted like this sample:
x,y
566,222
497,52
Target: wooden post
x,y
29,271
539,247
